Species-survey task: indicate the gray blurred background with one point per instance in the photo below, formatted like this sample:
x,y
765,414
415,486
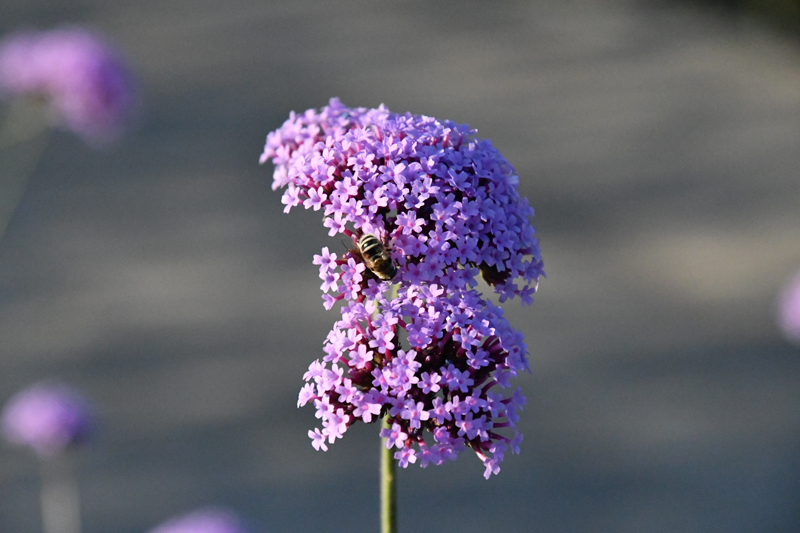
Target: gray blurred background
x,y
660,146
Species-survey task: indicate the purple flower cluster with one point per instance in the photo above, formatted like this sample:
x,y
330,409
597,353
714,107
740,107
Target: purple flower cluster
x,y
789,309
207,520
425,348
48,418
87,87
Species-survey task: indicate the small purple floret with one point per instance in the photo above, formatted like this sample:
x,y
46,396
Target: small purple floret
x,y
789,310
207,520
84,82
426,348
48,418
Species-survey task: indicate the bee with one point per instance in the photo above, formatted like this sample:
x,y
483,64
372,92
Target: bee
x,y
375,256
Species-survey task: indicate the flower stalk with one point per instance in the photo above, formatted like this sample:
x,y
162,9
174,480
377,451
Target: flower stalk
x,y
60,497
23,138
388,486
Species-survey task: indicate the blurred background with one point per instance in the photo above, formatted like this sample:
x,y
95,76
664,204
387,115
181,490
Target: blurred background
x,y
659,143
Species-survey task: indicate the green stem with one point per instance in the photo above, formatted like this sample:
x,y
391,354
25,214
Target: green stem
x,y
23,138
388,487
61,508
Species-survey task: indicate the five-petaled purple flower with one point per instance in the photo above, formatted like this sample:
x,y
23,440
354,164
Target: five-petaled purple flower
x,y
789,309
85,84
48,418
206,520
426,348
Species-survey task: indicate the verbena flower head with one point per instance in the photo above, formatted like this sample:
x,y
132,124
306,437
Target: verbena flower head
x,y
426,347
83,81
47,417
789,310
206,520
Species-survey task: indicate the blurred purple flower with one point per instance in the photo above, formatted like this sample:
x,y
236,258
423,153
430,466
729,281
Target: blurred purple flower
x,y
47,417
207,520
435,355
88,88
789,309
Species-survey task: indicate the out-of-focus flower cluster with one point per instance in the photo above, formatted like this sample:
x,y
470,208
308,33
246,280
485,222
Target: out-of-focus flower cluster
x,y
430,351
789,309
207,520
86,86
48,417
